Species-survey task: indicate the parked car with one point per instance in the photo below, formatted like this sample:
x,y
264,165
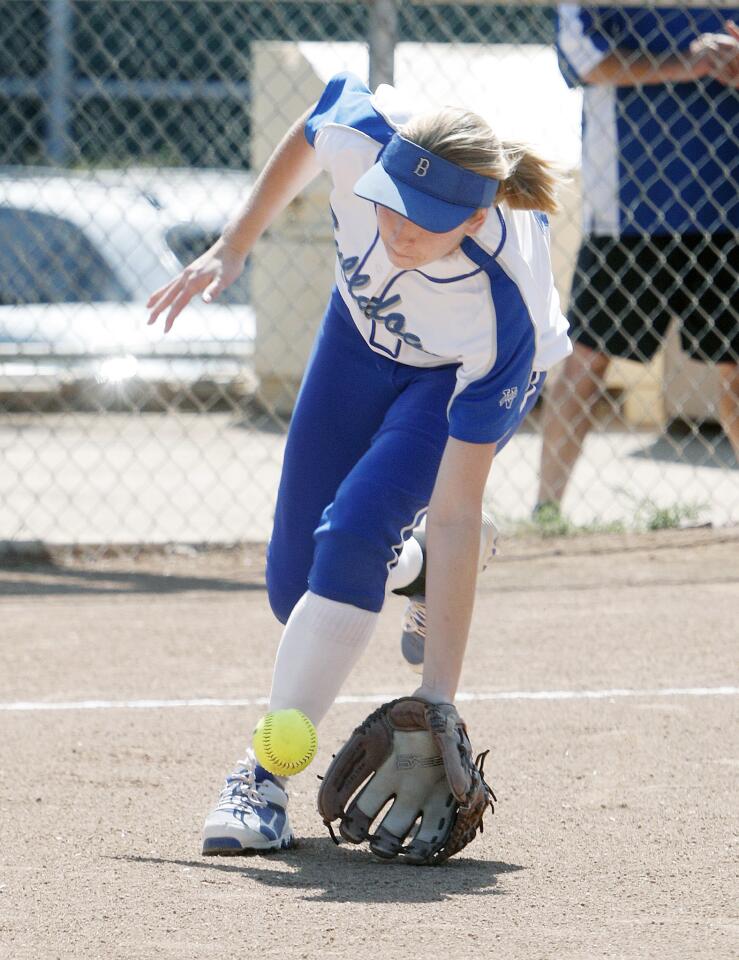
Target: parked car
x,y
79,256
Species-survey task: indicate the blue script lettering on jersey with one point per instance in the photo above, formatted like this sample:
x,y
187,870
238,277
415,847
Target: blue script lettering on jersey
x,y
371,307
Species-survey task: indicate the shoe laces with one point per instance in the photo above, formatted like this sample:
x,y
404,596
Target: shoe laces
x,y
241,788
415,616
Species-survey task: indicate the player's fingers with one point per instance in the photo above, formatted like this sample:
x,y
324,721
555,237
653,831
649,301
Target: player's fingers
x,y
213,291
436,824
157,294
160,300
181,295
227,271
400,818
385,844
354,825
178,305
394,828
357,819
178,294
373,797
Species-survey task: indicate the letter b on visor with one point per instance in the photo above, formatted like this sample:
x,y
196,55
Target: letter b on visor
x,y
428,190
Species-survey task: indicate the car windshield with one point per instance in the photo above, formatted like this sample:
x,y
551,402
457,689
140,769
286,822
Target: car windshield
x,y
188,240
46,259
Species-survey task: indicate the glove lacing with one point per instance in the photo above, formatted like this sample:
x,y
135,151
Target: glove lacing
x,y
480,767
476,769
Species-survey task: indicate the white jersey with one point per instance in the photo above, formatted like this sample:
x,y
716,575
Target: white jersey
x,y
490,306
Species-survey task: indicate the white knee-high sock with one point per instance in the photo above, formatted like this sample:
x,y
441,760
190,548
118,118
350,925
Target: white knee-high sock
x,y
321,642
408,566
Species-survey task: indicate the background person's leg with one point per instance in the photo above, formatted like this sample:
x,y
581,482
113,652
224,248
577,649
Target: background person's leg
x,y
619,307
568,416
709,333
728,402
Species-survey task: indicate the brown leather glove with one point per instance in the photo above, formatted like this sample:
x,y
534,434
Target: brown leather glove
x,y
417,754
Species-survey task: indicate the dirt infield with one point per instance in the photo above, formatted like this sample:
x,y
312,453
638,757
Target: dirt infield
x,y
602,672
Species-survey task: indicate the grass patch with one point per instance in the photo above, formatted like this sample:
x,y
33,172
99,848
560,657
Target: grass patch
x,y
549,521
650,516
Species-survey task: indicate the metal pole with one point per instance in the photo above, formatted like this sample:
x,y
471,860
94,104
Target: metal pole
x,y
383,35
59,73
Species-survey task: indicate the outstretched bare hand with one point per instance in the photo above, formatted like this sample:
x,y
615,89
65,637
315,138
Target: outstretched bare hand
x,y
210,274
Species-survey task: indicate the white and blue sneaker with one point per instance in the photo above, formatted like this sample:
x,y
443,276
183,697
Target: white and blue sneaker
x,y
250,815
413,637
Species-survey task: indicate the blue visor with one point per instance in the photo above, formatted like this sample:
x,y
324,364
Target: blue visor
x,y
428,190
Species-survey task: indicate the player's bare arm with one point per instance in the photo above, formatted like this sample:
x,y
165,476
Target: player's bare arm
x,y
453,541
709,55
289,170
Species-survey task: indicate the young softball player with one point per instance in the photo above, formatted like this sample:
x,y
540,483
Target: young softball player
x,y
435,343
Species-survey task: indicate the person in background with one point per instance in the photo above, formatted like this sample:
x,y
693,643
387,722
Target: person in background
x,y
660,187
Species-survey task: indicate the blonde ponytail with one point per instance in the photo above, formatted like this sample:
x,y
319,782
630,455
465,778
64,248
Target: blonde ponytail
x,y
531,183
526,182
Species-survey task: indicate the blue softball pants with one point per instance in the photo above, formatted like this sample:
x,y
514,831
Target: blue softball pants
x,y
361,458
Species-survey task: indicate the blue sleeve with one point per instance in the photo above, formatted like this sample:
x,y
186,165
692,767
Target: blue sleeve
x,y
347,101
489,408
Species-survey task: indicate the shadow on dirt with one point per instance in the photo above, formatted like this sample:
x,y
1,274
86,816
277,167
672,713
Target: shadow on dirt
x,y
330,874
52,580
705,446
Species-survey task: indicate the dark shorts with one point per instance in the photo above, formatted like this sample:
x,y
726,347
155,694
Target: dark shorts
x,y
626,290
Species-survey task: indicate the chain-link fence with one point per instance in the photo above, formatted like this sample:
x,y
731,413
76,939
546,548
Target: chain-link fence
x,y
129,130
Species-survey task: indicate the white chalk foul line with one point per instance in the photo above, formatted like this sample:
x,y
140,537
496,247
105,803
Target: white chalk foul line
x,y
27,706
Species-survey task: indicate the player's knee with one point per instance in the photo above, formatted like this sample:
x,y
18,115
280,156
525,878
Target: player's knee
x,y
283,595
350,569
358,537
280,605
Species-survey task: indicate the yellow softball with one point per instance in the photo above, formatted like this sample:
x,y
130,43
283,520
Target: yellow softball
x,y
285,742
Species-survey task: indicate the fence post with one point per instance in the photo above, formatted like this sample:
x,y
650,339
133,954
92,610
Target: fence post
x,y
292,266
383,35
59,81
